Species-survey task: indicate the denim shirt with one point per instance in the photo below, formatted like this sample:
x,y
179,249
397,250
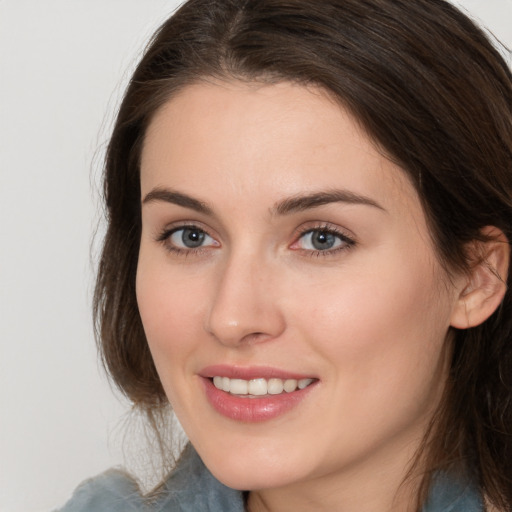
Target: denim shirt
x,y
192,488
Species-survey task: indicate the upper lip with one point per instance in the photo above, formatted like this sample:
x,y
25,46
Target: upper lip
x,y
250,372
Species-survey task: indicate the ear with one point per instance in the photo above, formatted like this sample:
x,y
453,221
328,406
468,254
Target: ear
x,y
485,286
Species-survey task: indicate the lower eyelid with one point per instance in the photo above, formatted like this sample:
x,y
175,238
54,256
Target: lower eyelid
x,y
328,253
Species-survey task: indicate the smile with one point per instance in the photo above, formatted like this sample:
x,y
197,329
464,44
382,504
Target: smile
x,y
257,394
260,386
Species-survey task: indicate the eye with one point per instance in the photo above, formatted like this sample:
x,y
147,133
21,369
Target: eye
x,y
186,238
189,238
323,240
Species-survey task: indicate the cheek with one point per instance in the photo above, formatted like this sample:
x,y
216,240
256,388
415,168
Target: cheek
x,y
382,331
170,309
367,306
170,313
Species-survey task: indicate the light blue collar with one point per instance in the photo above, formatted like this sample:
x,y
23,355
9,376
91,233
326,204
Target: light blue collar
x,y
192,488
452,494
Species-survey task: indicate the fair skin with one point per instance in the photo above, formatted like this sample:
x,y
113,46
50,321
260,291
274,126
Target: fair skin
x,y
237,269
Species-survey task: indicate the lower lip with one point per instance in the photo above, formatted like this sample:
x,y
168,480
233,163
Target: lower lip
x,y
253,410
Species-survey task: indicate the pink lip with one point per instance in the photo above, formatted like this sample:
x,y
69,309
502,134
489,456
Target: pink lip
x,y
251,410
248,373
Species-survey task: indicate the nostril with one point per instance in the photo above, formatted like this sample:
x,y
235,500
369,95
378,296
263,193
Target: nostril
x,y
255,337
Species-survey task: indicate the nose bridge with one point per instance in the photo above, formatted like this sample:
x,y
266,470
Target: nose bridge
x,y
243,306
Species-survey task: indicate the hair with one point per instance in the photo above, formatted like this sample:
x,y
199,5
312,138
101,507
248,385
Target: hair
x,y
430,90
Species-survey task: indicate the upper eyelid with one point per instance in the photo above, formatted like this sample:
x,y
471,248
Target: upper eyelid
x,y
172,227
324,226
344,238
190,228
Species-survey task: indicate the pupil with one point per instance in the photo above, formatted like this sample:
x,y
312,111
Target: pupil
x,y
192,238
323,240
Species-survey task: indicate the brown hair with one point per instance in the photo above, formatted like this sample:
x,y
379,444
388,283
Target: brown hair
x,y
429,88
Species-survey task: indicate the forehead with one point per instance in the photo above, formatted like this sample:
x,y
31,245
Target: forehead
x,y
280,140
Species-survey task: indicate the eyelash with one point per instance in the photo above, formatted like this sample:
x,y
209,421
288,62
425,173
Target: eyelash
x,y
165,236
347,241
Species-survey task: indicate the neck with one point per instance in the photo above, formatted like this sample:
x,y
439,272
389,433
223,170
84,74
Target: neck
x,y
372,486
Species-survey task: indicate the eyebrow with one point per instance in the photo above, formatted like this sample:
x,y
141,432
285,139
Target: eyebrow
x,y
306,202
177,198
294,204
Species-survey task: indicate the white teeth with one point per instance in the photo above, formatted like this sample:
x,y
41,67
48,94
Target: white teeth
x,y
259,387
290,385
304,383
275,386
238,387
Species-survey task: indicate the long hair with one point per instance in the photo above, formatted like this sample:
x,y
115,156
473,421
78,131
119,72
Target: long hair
x,y
429,89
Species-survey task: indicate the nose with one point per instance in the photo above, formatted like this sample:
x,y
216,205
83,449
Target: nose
x,y
245,306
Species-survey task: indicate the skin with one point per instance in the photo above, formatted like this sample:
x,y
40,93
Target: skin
x,y
368,318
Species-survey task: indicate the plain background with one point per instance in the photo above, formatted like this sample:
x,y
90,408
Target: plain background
x,y
63,67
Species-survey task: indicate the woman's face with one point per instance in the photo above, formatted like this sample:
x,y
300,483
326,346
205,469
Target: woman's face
x,y
285,259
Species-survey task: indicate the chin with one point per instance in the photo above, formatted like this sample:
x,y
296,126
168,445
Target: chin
x,y
245,472
250,480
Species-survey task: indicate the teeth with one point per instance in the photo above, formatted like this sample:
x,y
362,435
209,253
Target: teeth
x,y
259,387
290,385
275,386
239,387
304,383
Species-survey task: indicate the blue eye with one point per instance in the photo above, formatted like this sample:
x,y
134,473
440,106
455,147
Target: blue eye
x,y
323,240
189,237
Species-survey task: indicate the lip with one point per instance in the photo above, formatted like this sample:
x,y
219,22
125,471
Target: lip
x,y
252,409
252,372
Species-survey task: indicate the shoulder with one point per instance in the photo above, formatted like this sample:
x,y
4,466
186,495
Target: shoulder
x,y
192,488
189,488
111,491
450,493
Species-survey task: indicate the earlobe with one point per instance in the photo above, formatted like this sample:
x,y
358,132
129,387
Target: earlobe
x,y
485,285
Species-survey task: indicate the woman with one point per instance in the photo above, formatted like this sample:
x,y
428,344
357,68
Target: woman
x,y
309,208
